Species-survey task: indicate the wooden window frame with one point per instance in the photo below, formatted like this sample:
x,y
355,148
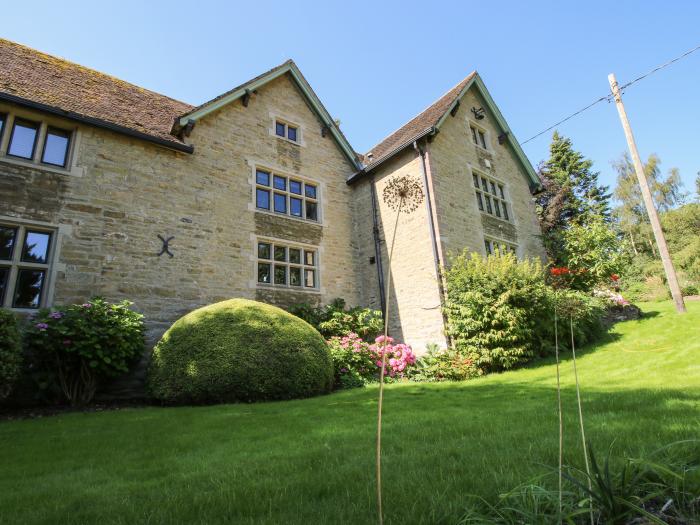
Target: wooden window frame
x,y
288,194
492,196
274,263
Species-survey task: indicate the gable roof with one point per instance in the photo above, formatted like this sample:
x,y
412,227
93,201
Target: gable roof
x,y
288,67
428,122
51,84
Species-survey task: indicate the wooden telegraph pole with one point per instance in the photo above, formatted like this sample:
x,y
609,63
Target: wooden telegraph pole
x,y
648,201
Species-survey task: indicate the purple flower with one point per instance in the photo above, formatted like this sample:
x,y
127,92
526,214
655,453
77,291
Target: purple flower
x,y
343,370
56,315
42,326
86,305
67,342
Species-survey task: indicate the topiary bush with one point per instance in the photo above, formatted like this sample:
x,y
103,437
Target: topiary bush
x,y
10,352
239,350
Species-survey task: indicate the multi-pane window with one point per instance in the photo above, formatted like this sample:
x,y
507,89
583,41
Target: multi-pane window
x,y
24,141
25,254
286,195
288,131
495,247
478,136
286,266
491,196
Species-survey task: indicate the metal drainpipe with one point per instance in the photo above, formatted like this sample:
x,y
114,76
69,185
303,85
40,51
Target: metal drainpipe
x,y
431,224
377,246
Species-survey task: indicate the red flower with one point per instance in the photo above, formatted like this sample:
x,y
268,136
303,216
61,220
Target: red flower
x,y
560,271
615,277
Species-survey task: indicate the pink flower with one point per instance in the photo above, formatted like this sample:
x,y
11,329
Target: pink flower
x,y
381,339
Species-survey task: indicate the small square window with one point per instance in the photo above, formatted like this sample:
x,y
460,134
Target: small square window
x,y
263,250
295,206
292,133
310,191
23,139
280,203
295,276
262,178
295,256
56,147
295,187
279,129
280,253
311,211
309,258
264,273
28,288
309,278
36,247
280,183
262,199
7,242
280,274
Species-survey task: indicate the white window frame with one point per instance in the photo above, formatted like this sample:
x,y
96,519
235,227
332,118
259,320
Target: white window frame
x,y
44,124
15,264
288,194
479,129
287,121
488,199
494,245
316,267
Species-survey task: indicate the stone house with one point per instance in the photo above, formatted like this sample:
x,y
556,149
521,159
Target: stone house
x,y
113,190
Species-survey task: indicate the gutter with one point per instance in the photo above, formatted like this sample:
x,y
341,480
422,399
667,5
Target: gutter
x,y
185,148
432,130
377,246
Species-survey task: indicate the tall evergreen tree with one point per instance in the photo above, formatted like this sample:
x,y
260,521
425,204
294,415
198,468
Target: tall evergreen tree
x,y
572,194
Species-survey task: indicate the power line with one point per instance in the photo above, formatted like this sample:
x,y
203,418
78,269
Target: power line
x,y
609,96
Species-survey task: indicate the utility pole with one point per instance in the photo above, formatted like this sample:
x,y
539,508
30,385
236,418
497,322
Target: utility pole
x,y
648,201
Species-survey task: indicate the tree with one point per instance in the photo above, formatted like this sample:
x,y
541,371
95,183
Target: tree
x,y
630,213
572,194
697,186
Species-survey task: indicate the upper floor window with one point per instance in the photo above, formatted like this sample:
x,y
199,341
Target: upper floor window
x,y
288,131
478,136
286,195
491,196
25,257
24,137
286,266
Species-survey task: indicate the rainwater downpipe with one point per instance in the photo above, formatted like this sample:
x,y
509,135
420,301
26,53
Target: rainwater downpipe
x,y
377,246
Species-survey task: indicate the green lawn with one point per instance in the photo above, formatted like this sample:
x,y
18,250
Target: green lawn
x,y
312,461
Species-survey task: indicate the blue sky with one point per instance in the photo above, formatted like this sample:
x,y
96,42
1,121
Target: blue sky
x,y
377,64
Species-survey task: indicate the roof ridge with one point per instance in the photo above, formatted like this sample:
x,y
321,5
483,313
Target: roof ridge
x,y
55,58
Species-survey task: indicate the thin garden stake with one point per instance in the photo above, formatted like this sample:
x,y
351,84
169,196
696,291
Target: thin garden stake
x,y
561,419
580,417
401,193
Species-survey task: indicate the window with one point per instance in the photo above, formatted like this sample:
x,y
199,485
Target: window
x,y
288,131
56,146
3,118
25,254
286,195
286,266
490,196
495,247
23,139
478,136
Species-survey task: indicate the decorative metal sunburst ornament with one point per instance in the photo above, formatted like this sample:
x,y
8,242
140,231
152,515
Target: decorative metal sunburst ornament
x,y
403,193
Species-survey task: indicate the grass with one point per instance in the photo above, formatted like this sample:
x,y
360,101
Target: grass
x,y
311,461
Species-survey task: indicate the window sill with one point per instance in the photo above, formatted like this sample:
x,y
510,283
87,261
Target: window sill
x,y
17,161
500,219
282,288
290,217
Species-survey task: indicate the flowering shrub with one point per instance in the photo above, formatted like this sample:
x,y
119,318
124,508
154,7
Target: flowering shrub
x,y
10,352
610,297
335,320
443,365
81,344
357,362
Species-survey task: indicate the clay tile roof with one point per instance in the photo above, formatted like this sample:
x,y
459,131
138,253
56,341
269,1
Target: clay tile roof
x,y
80,92
416,126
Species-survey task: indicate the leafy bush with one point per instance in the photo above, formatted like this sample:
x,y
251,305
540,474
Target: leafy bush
x,y
335,320
500,311
10,352
357,363
82,344
239,350
443,365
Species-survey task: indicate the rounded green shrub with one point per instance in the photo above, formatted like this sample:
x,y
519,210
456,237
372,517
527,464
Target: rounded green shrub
x,y
239,350
10,352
